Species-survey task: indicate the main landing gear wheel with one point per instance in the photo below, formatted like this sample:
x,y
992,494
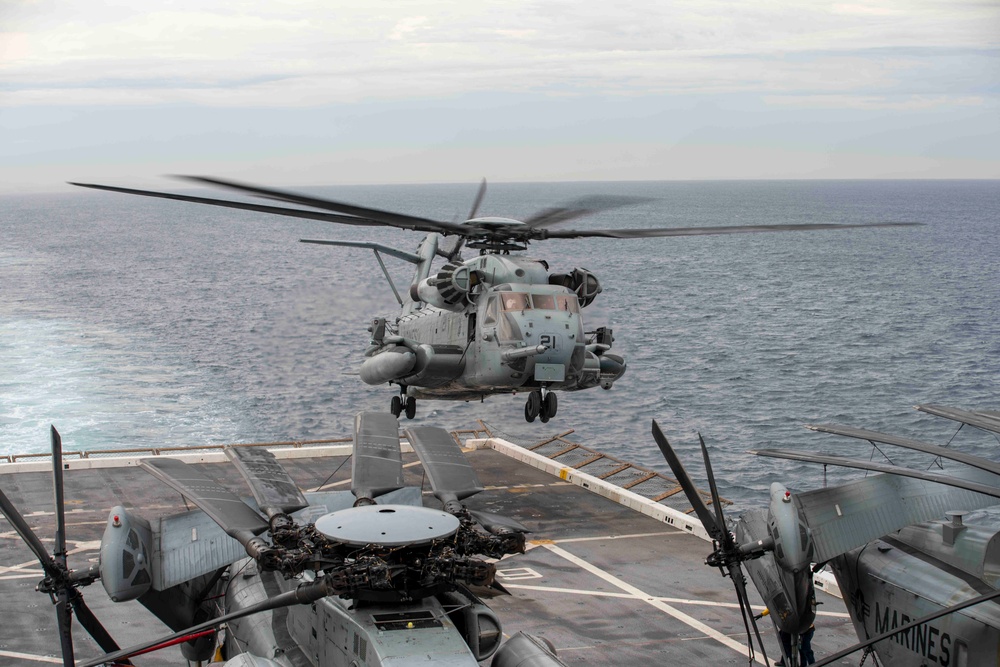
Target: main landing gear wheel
x,y
411,407
396,406
533,406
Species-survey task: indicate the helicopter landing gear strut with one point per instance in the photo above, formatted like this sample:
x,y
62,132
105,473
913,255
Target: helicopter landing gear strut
x,y
542,404
403,404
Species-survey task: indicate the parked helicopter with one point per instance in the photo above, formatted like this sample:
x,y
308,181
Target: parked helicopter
x,y
347,570
497,323
914,584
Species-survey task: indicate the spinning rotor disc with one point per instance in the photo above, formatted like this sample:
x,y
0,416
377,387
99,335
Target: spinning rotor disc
x,y
387,525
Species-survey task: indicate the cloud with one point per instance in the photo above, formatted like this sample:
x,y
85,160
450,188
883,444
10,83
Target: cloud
x,y
227,53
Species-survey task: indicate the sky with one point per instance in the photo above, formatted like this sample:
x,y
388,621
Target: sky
x,y
324,92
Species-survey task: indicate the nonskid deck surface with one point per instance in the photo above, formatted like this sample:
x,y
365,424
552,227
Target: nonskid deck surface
x,y
604,583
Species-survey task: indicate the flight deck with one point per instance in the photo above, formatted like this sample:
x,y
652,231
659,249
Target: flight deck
x,y
613,574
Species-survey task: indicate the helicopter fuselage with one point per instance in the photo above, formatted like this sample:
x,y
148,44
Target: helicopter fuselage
x,y
494,324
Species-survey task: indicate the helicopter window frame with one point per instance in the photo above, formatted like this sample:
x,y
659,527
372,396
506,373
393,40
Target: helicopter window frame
x,y
543,301
567,303
491,311
515,301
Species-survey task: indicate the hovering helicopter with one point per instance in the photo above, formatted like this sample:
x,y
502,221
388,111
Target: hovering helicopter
x,y
347,570
497,323
914,584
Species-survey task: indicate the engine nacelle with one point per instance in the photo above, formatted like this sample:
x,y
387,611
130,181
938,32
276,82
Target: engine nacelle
x,y
125,552
449,289
583,282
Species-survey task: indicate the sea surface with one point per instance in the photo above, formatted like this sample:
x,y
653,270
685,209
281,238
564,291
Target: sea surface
x,y
132,322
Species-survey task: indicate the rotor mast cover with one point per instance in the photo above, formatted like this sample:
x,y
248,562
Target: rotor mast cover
x,y
387,525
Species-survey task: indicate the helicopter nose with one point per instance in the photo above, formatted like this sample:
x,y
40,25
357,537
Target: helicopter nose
x,y
552,364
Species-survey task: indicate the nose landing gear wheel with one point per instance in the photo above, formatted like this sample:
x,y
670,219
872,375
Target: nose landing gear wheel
x,y
533,406
411,407
551,404
396,406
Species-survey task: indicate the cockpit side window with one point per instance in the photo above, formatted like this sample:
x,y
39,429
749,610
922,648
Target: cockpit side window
x,y
515,301
490,312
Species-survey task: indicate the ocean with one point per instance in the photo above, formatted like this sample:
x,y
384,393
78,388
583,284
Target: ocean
x,y
133,322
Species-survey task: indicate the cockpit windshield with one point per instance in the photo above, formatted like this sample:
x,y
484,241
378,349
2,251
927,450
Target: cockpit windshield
x,y
515,301
520,301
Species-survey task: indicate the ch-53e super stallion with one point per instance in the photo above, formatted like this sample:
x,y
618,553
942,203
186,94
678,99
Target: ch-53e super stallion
x,y
921,585
496,323
368,576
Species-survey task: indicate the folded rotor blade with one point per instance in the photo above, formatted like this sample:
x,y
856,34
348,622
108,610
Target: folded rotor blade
x,y
746,611
916,445
702,231
714,529
225,203
377,466
827,459
493,522
830,659
272,487
304,594
981,420
225,508
449,472
388,218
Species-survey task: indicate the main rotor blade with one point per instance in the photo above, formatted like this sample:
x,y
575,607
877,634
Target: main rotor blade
x,y
478,200
449,472
27,534
830,659
981,420
703,231
225,508
579,208
377,466
272,487
828,459
916,445
304,594
715,531
401,220
716,501
225,203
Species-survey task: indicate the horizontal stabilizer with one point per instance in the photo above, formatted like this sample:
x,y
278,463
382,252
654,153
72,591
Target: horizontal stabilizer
x,y
449,472
916,445
377,466
272,487
190,545
226,509
378,247
827,459
847,516
983,420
